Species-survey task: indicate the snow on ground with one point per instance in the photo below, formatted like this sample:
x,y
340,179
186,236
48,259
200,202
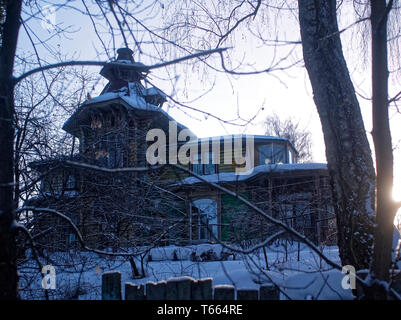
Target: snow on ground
x,y
318,286
309,276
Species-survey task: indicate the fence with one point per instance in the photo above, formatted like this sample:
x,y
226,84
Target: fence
x,y
182,288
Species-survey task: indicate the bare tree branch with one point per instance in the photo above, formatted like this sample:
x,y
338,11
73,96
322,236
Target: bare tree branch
x,y
136,66
80,237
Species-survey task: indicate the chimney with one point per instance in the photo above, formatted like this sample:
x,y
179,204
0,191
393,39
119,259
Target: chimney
x,y
125,54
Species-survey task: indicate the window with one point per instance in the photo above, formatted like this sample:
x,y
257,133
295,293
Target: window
x,y
204,165
101,157
278,153
110,153
115,158
272,153
70,182
265,154
96,123
287,213
208,166
71,238
198,167
54,182
303,215
111,159
119,158
204,217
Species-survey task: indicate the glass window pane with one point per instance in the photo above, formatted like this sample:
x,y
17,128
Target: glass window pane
x,y
303,219
265,154
71,182
279,154
119,158
207,218
209,167
197,167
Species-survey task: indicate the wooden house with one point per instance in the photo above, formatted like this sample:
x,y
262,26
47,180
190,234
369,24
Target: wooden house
x,y
168,206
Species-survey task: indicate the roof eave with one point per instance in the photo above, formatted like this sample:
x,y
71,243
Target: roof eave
x,y
69,126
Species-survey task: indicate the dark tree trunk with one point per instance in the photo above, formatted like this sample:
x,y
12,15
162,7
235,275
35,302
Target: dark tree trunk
x,y
385,209
348,153
134,269
8,267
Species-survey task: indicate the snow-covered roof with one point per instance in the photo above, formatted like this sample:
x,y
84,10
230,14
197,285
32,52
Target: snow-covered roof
x,y
130,97
134,100
154,91
243,136
136,64
266,168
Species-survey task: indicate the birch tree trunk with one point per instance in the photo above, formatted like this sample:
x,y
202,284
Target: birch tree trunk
x,y
348,153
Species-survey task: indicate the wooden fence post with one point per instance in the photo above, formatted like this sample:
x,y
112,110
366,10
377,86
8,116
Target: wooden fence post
x,y
247,294
111,285
185,288
179,288
156,290
134,292
269,292
202,289
224,292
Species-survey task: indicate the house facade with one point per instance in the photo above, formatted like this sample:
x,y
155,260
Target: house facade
x,y
297,194
123,208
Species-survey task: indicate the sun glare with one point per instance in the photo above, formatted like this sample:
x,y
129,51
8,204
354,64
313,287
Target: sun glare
x,y
397,197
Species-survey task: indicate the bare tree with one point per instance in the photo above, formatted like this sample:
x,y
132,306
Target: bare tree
x,y
347,148
362,197
355,186
336,102
13,155
288,128
8,268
